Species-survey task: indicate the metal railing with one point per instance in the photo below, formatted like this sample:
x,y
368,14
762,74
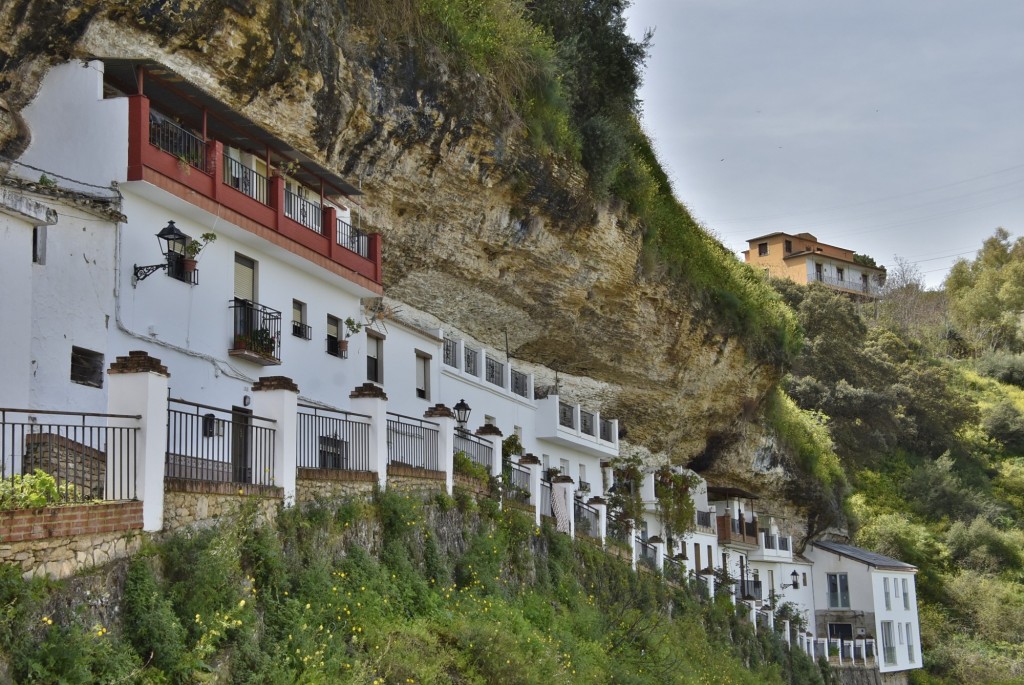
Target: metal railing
x,y
302,330
588,520
307,213
704,519
207,443
619,530
751,528
472,367
606,431
245,180
783,543
451,352
332,439
587,423
256,328
748,589
520,383
566,415
646,553
517,483
336,347
479,450
859,286
189,148
495,372
412,442
351,238
88,459
769,540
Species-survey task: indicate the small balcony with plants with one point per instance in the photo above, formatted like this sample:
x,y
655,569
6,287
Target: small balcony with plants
x,y
256,333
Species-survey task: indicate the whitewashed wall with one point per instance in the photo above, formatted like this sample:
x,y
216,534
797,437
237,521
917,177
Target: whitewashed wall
x,y
15,311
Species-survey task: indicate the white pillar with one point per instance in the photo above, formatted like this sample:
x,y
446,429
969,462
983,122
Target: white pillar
x,y
137,385
370,399
601,505
277,398
632,546
533,463
785,629
445,419
659,553
563,489
491,432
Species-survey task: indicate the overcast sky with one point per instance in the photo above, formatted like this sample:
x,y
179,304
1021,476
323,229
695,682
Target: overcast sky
x,y
889,127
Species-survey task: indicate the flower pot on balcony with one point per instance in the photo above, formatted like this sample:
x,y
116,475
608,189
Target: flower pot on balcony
x,y
188,265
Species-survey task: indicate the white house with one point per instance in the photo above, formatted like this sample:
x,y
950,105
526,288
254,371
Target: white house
x,y
864,595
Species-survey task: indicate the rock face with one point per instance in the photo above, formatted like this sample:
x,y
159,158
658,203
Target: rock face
x,y
478,230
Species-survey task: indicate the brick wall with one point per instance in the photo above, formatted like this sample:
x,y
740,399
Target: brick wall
x,y
60,541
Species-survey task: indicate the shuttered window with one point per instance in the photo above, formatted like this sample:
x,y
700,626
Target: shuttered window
x,y
245,278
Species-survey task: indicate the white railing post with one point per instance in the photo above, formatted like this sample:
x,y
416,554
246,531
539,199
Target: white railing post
x,y
563,491
370,399
659,552
601,505
445,419
277,398
489,431
138,386
533,464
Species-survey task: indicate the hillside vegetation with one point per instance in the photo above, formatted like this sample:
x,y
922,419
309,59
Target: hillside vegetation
x,y
391,591
926,412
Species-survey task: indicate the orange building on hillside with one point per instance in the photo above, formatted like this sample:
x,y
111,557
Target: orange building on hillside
x,y
802,259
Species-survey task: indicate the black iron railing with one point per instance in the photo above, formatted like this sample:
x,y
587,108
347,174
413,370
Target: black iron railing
x,y
784,543
586,423
309,214
704,519
472,362
517,483
188,147
332,439
301,330
351,238
207,443
588,520
520,383
606,431
451,352
412,442
495,372
256,328
87,458
244,179
479,450
336,347
566,415
646,553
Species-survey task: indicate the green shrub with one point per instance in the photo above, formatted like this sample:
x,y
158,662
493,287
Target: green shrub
x,y
33,490
150,624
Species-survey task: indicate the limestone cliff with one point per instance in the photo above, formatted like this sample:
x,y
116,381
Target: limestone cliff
x,y
479,230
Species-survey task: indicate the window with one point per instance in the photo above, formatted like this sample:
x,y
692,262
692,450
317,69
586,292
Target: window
x,y
696,556
838,591
885,590
840,631
451,352
864,281
86,367
39,245
888,644
805,579
906,595
896,588
819,272
789,246
840,273
336,346
374,357
422,375
471,362
910,642
563,467
299,327
899,632
495,372
245,278
583,477
762,249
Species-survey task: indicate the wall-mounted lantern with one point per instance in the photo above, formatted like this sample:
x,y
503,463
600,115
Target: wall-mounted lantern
x,y
171,240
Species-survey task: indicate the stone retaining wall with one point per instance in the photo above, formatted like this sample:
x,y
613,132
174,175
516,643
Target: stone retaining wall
x,y
324,484
200,503
60,541
407,478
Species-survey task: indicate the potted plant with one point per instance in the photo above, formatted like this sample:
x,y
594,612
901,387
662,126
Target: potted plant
x,y
193,248
351,328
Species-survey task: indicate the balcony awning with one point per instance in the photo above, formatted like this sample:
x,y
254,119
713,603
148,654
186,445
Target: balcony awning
x,y
174,95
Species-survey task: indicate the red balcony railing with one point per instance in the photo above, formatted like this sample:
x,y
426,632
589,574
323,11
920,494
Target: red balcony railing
x,y
179,160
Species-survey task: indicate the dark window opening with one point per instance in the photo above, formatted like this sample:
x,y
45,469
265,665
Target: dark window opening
x,y
762,249
86,367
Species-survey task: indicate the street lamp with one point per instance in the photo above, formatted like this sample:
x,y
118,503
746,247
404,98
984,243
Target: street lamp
x,y
796,581
171,239
462,411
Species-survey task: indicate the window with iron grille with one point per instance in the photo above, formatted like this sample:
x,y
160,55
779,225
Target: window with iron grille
x,y
451,352
422,375
520,383
334,340
374,358
299,327
495,372
471,362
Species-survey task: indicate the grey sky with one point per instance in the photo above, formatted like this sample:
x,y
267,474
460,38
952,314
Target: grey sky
x,y
890,127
